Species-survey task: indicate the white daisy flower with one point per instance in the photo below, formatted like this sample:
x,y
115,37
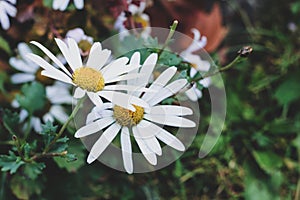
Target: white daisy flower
x,y
7,8
57,95
93,78
140,19
198,64
84,42
63,4
142,122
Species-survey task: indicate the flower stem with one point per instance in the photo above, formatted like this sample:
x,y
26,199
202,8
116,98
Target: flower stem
x,y
171,33
74,112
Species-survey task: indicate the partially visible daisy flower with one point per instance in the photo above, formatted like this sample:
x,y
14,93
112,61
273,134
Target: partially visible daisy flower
x,y
198,64
63,4
84,42
29,70
7,8
140,20
57,95
93,78
143,122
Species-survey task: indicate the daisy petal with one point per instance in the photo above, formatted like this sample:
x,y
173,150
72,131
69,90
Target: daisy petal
x,y
170,120
74,53
123,100
150,140
94,127
57,75
93,59
79,93
97,101
22,78
147,153
79,4
134,61
67,54
102,143
52,57
126,150
190,93
59,113
168,91
160,82
125,77
115,68
169,110
22,66
126,88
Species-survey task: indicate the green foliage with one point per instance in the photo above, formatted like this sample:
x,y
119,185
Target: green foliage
x,y
10,119
10,162
33,97
4,45
33,170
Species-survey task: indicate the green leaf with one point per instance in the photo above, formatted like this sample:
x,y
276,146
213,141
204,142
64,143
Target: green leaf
x,y
48,128
170,59
4,45
10,162
10,120
70,162
48,3
268,161
3,78
32,170
288,91
24,188
33,97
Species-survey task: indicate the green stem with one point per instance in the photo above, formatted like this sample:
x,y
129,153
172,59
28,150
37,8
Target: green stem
x,y
2,188
74,112
222,69
28,128
18,145
171,33
297,195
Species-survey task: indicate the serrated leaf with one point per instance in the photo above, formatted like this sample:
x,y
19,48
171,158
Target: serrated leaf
x,y
170,59
33,97
4,45
268,161
63,140
32,170
10,162
74,160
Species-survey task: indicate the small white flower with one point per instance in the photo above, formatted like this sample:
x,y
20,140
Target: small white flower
x,y
57,95
140,19
7,8
199,65
93,78
84,42
63,4
142,122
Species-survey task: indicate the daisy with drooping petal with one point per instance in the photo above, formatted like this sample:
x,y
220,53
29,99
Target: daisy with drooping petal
x,y
143,122
198,64
140,20
7,8
93,78
84,42
57,95
63,4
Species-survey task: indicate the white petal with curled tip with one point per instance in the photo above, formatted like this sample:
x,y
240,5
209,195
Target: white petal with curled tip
x,y
102,143
22,78
94,127
170,120
79,93
52,57
147,135
146,151
97,101
169,110
116,68
168,91
160,82
74,53
146,69
123,100
126,150
79,4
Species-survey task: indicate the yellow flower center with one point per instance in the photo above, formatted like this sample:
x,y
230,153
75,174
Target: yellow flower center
x,y
141,23
126,117
84,45
88,79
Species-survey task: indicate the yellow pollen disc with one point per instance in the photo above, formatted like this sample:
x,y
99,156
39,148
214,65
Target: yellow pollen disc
x,y
84,45
88,79
126,117
139,20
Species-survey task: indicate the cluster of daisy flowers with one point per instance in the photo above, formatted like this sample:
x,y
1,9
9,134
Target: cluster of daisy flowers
x,y
126,99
